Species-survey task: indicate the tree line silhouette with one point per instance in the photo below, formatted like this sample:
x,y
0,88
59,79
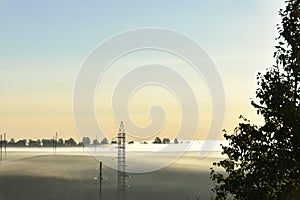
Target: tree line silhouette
x,y
41,143
86,142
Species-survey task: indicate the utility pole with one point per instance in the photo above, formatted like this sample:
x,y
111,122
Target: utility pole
x,y
5,145
100,180
96,141
82,145
53,145
1,147
55,142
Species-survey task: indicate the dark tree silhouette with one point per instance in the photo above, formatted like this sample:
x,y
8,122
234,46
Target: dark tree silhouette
x,y
11,143
86,141
263,162
47,142
166,141
70,143
34,143
175,141
60,142
104,141
157,140
95,142
21,143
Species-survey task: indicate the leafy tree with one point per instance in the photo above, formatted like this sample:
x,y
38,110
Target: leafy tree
x,y
34,143
104,141
47,142
21,143
263,162
11,143
95,142
86,141
157,140
70,143
175,141
60,142
166,141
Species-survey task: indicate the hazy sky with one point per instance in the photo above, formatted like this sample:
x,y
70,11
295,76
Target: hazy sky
x,y
44,43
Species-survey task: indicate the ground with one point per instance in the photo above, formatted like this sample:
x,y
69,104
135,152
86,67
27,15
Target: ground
x,y
33,176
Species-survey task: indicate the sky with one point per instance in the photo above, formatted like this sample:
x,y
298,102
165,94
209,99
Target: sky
x,y
43,45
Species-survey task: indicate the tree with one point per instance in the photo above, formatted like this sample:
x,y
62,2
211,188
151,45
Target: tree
x,y
95,142
60,142
70,143
21,143
175,141
166,140
47,142
34,143
11,143
263,162
104,141
157,140
86,141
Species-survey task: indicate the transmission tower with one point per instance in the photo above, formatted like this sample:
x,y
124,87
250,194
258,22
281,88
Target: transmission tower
x,y
121,162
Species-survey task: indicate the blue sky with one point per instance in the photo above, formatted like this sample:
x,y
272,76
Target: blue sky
x,y
43,44
71,28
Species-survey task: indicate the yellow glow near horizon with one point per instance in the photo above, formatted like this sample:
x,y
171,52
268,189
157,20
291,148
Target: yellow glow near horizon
x,y
144,98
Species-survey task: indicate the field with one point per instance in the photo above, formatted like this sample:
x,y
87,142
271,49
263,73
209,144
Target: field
x,y
66,175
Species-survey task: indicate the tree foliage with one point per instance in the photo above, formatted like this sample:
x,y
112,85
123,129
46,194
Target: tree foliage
x,y
166,141
175,141
86,141
42,143
104,141
34,143
263,162
48,142
157,140
96,142
70,143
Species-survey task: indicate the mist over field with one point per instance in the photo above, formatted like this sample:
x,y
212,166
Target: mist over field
x,y
71,173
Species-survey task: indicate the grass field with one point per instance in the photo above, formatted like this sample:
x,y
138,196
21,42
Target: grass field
x,y
36,176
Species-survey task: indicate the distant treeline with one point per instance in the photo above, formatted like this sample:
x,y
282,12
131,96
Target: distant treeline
x,y
86,142
41,143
